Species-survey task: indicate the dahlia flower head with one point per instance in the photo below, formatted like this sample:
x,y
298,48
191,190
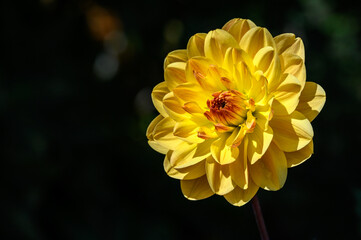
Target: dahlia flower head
x,y
234,112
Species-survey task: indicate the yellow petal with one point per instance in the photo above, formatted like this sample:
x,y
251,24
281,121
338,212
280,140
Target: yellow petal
x,y
163,135
197,71
270,172
190,92
175,56
223,152
216,44
293,64
237,27
150,132
158,93
191,172
239,168
238,197
174,74
196,189
269,63
288,43
312,100
200,153
174,108
195,45
219,177
187,130
287,95
255,39
259,140
291,133
298,157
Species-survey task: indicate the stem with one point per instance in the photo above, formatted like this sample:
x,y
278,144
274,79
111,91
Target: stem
x,y
259,218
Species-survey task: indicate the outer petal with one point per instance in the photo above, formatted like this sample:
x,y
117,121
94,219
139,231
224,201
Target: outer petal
x,y
237,27
150,132
291,133
174,108
270,172
259,140
239,168
294,65
238,197
187,130
312,100
289,44
255,39
175,56
298,157
287,95
195,45
174,74
196,189
197,155
222,152
216,44
219,177
158,94
191,172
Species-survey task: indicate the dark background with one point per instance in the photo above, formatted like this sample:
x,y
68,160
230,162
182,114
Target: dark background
x,y
75,83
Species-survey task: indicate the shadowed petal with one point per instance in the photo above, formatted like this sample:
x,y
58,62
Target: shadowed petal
x,y
196,189
312,100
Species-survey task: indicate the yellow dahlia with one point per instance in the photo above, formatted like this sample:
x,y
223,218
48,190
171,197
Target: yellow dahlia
x,y
235,112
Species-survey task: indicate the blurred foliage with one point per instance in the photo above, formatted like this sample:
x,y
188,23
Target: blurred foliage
x,y
75,83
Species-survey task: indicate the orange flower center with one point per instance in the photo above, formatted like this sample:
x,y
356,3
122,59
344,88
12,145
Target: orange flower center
x,y
228,108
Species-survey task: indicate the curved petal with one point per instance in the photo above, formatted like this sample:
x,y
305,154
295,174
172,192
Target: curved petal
x,y
163,134
195,171
175,56
298,157
237,27
293,64
195,46
222,152
255,39
270,172
200,153
291,133
219,177
150,132
312,100
238,197
174,108
216,44
259,140
196,189
158,93
289,44
174,74
187,130
239,168
190,92
287,95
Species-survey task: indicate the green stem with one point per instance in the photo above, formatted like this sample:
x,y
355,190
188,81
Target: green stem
x,y
259,218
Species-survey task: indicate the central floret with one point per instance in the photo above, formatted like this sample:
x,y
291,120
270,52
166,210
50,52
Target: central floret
x,y
227,107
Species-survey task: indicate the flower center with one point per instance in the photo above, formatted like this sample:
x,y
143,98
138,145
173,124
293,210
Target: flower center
x,y
227,107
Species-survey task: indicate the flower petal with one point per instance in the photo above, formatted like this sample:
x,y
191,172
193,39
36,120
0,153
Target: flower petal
x,y
259,140
158,93
255,39
287,95
237,27
163,134
187,130
270,172
174,74
298,157
291,133
312,100
196,189
223,152
175,56
239,168
200,153
293,64
195,171
238,197
289,44
195,45
219,177
216,44
174,108
191,92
